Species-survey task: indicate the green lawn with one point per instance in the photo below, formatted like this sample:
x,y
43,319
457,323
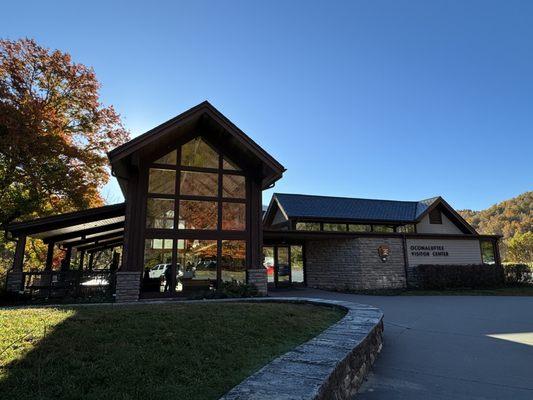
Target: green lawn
x,y
171,351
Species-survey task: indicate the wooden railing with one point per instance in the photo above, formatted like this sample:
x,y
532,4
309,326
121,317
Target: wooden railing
x,y
70,284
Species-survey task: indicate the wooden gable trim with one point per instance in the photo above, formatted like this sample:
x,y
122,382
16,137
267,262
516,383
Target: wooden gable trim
x,y
456,217
271,210
203,108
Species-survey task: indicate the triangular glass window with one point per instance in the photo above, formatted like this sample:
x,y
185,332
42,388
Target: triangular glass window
x,y
168,159
229,165
198,153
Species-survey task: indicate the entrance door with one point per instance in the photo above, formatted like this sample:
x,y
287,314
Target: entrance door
x,y
282,266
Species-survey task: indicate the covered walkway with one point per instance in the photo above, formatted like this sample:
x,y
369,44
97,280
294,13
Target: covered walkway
x,y
81,236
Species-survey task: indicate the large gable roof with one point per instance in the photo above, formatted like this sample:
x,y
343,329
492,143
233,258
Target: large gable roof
x,y
206,116
356,209
327,207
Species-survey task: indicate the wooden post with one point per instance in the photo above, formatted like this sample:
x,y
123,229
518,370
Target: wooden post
x,y
115,261
18,261
82,256
15,277
91,260
65,265
256,227
49,256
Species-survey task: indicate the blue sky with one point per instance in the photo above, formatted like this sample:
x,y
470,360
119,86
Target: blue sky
x,y
381,99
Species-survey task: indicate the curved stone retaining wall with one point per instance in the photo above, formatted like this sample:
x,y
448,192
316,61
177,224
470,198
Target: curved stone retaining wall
x,y
329,366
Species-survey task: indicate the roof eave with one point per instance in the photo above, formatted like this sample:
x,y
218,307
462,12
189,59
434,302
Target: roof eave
x,y
120,153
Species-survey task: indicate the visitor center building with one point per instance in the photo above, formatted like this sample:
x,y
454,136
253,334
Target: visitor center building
x,y
193,219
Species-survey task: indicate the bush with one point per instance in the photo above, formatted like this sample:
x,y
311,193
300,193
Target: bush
x,y
518,274
228,290
459,276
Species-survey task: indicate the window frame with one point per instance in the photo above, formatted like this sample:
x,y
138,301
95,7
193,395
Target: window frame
x,y
493,249
176,233
435,217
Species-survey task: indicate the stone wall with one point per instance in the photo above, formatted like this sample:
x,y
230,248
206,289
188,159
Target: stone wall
x,y
127,286
330,366
258,277
355,264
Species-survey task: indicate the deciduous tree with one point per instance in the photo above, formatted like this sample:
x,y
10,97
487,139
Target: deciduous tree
x,y
54,132
520,248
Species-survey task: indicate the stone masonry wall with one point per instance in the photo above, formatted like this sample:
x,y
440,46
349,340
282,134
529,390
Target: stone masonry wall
x,y
331,366
354,264
127,286
258,277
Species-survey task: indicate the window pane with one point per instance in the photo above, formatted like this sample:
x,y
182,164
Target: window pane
x,y
162,181
157,265
487,252
197,260
382,228
198,153
233,216
359,228
283,265
198,214
199,183
435,217
229,165
160,213
335,227
268,263
233,260
234,186
308,226
409,228
297,264
169,159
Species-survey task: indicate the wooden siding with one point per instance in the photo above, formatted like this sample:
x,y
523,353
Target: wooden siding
x,y
459,251
447,226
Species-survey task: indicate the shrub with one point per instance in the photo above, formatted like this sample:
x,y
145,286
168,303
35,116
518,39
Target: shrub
x,y
231,289
518,274
459,276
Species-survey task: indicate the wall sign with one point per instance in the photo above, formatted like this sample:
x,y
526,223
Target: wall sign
x,y
428,251
383,252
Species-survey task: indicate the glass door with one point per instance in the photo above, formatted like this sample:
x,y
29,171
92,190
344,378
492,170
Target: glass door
x,y
297,265
282,266
268,263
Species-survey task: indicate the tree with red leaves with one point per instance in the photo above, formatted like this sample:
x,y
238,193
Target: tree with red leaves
x,y
54,132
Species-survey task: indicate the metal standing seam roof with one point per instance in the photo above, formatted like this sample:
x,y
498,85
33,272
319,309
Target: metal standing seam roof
x,y
310,206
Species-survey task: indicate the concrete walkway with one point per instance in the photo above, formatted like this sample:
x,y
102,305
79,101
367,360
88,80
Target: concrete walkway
x,y
449,347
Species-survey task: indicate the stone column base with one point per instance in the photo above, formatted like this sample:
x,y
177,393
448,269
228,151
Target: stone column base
x,y
14,282
127,286
258,277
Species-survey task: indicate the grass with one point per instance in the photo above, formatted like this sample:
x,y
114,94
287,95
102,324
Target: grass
x,y
180,351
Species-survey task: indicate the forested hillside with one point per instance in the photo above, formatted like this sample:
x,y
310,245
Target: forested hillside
x,y
513,219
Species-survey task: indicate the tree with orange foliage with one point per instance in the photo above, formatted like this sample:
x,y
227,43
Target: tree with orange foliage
x,y
54,132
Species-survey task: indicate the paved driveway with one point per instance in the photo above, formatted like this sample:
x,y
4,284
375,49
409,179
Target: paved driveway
x,y
449,347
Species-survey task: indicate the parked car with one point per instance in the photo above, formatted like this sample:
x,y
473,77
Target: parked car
x,y
157,270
